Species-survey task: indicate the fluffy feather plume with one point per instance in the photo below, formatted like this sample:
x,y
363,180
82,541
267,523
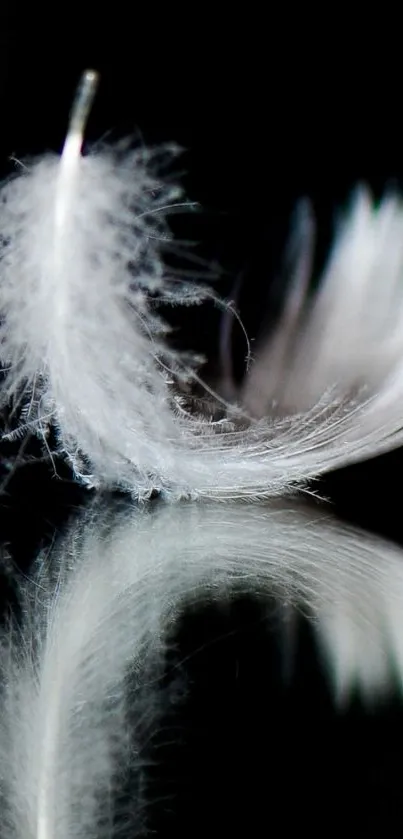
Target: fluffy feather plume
x,y
63,720
80,268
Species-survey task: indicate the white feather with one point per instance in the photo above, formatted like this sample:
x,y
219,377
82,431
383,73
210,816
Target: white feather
x,y
79,272
60,739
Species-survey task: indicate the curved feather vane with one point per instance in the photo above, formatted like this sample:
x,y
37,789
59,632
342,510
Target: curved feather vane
x,y
80,270
63,722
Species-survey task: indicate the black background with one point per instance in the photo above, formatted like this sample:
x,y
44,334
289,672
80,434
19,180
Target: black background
x,y
265,115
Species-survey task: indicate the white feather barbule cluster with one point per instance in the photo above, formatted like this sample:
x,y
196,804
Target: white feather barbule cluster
x,y
86,352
